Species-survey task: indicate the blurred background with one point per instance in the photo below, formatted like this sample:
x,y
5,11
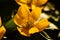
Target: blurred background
x,y
8,8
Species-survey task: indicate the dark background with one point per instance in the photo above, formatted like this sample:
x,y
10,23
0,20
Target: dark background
x,y
6,8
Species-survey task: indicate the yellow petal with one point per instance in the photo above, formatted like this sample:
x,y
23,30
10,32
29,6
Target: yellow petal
x,y
39,2
28,31
24,31
35,14
23,11
21,18
20,2
29,1
34,2
31,20
2,31
34,6
20,22
42,24
33,30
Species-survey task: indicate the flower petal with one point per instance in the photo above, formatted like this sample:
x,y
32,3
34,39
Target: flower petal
x,y
42,24
35,14
21,1
21,18
2,31
24,31
39,2
33,30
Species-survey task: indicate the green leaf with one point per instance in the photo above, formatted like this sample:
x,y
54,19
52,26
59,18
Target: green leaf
x,y
10,25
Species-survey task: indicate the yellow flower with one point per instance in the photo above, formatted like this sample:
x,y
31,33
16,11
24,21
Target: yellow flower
x,y
28,21
35,2
32,3
2,30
